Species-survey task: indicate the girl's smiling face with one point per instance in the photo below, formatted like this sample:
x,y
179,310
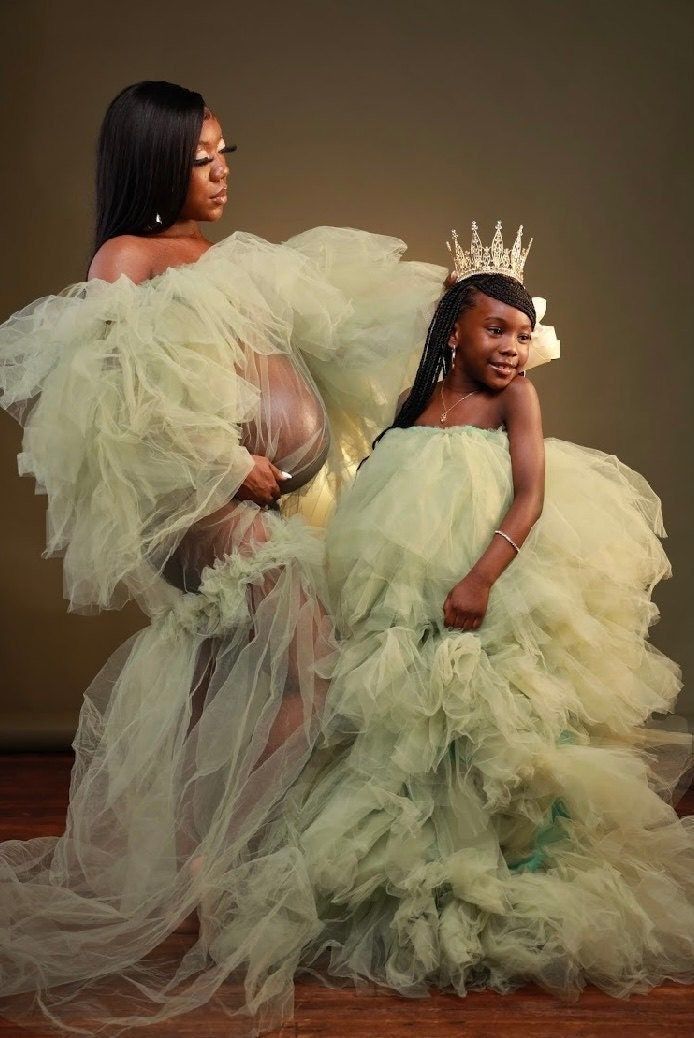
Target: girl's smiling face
x,y
492,342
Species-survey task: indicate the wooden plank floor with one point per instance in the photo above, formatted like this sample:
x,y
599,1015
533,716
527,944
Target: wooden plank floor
x,y
33,799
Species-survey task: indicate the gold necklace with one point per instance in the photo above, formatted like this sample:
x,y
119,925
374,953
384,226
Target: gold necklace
x,y
444,413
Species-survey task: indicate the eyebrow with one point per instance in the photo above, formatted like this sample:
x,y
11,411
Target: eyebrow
x,y
208,144
497,317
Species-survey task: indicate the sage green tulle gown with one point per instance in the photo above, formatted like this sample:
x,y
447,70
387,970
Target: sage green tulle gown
x,y
495,806
294,746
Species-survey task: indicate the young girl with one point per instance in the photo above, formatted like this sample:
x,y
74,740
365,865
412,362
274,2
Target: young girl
x,y
493,802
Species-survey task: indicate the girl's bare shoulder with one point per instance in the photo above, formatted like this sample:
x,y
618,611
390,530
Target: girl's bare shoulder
x,y
520,392
520,403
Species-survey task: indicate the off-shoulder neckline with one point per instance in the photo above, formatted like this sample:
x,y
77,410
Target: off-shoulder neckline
x,y
214,247
237,237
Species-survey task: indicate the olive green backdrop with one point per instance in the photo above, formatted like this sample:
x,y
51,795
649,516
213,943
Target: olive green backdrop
x,y
404,118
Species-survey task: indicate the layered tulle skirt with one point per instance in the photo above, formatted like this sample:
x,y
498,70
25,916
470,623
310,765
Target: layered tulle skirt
x,y
408,805
142,405
495,807
403,804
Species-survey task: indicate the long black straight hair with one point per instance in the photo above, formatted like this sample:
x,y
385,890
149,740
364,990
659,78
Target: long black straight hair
x,y
144,155
436,355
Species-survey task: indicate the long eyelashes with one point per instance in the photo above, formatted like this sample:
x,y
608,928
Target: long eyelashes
x,y
205,162
499,330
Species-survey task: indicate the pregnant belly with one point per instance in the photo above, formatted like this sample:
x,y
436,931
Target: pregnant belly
x,y
292,431
292,427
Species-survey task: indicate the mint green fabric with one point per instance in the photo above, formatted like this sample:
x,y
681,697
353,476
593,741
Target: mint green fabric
x,y
496,806
413,804
141,405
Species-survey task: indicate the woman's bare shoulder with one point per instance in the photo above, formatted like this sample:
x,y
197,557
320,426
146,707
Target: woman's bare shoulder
x,y
126,254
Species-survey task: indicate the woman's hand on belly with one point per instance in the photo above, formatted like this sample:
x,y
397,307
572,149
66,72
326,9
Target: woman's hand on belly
x,y
262,484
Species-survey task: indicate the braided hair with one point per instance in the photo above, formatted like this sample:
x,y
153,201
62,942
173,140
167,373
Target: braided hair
x,y
437,356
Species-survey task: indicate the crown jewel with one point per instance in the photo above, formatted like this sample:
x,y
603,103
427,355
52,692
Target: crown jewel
x,y
490,259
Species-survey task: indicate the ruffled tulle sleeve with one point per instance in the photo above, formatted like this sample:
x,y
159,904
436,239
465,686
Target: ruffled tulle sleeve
x,y
374,353
131,406
132,398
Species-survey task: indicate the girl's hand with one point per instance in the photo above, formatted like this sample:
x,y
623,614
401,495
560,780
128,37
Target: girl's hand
x,y
262,484
466,603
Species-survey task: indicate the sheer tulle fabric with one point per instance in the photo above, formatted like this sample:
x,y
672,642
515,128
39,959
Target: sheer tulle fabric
x,y
142,405
495,807
186,739
409,805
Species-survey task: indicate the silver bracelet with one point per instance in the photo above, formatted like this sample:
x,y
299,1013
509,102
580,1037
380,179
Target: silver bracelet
x,y
508,539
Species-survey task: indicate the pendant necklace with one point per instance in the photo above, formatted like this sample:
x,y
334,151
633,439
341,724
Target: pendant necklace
x,y
444,413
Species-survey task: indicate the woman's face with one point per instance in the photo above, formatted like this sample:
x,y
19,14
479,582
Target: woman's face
x,y
492,341
207,188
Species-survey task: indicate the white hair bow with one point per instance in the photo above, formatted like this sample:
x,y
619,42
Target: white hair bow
x,y
544,344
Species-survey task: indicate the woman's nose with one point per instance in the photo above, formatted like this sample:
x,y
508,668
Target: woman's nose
x,y
218,171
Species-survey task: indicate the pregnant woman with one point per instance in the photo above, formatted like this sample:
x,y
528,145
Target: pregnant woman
x,y
176,407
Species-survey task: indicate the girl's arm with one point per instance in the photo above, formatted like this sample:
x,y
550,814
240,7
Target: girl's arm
x,y
523,421
466,603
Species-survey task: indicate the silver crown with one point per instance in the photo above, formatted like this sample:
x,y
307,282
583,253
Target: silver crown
x,y
490,259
